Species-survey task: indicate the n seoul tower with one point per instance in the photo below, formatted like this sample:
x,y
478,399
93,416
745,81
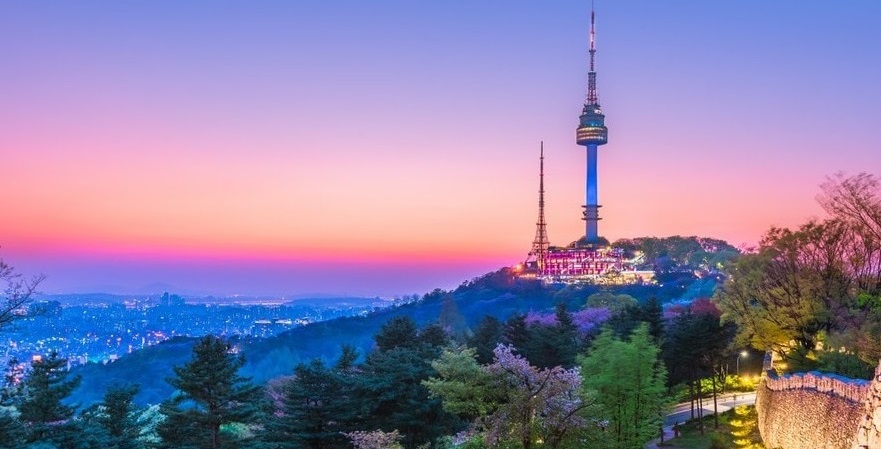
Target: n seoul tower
x,y
591,133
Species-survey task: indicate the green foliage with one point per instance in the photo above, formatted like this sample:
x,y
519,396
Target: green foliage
x,y
148,368
392,383
718,442
610,301
627,318
789,290
317,405
486,336
12,431
466,389
119,417
511,403
42,411
516,333
845,364
400,331
628,380
738,430
841,363
451,319
112,423
696,344
210,395
498,294
677,252
347,358
554,345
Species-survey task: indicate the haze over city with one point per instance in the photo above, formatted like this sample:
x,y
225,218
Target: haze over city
x,y
391,147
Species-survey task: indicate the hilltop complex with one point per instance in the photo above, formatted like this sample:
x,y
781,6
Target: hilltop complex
x,y
590,259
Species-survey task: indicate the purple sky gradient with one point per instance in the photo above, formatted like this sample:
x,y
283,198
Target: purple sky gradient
x,y
391,147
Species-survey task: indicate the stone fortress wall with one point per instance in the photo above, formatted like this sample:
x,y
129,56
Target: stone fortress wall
x,y
818,410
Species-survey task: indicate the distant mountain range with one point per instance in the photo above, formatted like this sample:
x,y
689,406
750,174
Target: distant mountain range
x,y
294,300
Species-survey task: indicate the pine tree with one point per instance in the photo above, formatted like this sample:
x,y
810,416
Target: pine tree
x,y
392,384
12,431
317,406
451,320
554,345
399,331
347,358
117,416
516,333
210,395
42,411
487,335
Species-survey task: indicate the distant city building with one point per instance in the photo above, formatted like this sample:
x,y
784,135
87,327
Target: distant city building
x,y
171,300
589,259
268,328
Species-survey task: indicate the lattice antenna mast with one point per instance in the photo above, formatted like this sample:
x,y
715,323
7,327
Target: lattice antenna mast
x,y
592,74
540,244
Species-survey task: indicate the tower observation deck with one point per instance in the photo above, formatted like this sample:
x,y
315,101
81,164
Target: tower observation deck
x,y
591,133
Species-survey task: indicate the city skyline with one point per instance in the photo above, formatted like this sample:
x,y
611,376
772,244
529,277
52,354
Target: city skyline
x,y
390,148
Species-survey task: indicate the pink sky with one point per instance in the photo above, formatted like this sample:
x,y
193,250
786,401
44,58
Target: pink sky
x,y
341,148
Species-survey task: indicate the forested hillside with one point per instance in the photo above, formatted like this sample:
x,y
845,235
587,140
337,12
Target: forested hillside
x,y
498,294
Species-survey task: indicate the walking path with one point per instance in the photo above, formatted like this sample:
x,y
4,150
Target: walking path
x,y
682,412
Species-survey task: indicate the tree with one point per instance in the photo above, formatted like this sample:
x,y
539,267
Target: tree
x,y
510,402
17,292
628,317
118,416
347,359
855,202
516,333
42,411
822,280
487,335
317,405
609,301
628,380
451,320
399,331
466,388
391,386
12,431
855,199
696,346
792,288
555,344
210,394
540,404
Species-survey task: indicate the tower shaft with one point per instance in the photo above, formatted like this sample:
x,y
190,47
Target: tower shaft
x,y
591,208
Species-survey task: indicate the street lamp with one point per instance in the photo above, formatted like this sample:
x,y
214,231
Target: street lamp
x,y
743,354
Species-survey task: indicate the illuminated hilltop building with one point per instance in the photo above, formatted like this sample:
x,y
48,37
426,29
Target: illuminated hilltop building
x,y
590,259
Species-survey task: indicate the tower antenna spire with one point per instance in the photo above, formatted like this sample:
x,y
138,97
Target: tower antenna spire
x,y
592,74
539,252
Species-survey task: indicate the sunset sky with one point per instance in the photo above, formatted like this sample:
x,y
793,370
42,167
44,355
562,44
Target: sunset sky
x,y
390,147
